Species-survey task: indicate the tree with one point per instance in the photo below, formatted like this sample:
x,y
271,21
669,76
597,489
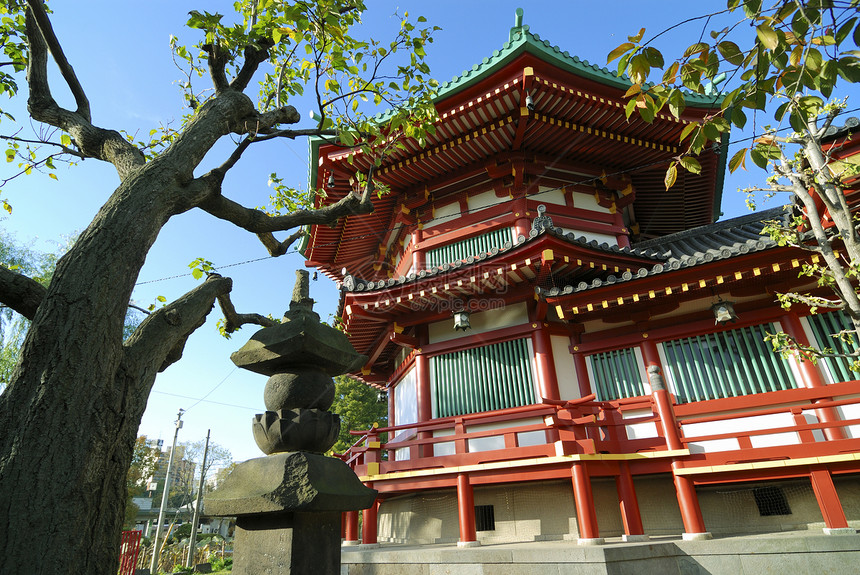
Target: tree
x,y
183,485
144,460
359,406
14,326
72,408
785,58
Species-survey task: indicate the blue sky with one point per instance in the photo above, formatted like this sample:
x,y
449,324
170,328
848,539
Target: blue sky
x,y
122,57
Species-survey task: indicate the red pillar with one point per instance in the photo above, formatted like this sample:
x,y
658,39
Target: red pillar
x,y
811,375
418,260
466,512
586,517
547,379
424,400
688,501
629,504
350,535
828,500
368,523
392,419
581,366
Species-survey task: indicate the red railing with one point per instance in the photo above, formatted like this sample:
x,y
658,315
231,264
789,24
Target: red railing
x,y
586,426
129,547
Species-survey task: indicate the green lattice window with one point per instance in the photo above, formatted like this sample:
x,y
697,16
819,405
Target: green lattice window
x,y
726,364
824,326
473,246
615,374
485,378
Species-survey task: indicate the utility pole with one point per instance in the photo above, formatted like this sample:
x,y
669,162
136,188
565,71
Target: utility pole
x,y
156,549
197,505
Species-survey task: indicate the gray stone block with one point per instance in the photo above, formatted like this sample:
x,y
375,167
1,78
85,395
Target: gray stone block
x,y
287,543
295,481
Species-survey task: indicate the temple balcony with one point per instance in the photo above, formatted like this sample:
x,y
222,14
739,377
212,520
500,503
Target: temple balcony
x,y
782,431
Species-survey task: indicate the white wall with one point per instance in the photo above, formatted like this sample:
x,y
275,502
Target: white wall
x,y
565,369
588,202
738,425
549,197
610,239
444,215
482,321
405,394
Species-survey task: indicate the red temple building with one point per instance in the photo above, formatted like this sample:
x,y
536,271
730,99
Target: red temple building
x,y
569,350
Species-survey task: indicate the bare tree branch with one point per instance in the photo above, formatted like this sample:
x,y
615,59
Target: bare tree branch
x,y
277,248
160,338
93,142
259,222
22,294
234,320
253,58
37,9
217,60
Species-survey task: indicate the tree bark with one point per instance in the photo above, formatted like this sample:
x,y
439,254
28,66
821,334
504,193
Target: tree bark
x,y
78,394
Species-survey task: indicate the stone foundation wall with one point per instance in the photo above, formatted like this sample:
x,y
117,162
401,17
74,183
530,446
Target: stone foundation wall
x,y
542,511
797,554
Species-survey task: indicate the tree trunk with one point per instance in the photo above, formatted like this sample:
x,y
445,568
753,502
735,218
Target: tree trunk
x,y
70,415
74,398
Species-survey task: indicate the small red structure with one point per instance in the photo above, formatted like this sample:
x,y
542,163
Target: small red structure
x,y
129,548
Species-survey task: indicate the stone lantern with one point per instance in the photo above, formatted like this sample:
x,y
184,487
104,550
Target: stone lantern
x,y
288,504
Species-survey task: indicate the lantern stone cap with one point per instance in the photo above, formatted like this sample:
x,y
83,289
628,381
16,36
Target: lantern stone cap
x,y
292,481
301,339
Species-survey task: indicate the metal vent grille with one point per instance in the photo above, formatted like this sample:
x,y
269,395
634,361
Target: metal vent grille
x,y
726,364
473,246
480,379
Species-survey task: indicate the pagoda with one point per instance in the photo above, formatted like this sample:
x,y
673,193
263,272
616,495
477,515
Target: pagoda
x,y
569,350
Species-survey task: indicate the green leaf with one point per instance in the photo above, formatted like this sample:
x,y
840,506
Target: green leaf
x,y
639,69
676,103
647,112
844,30
637,37
731,52
654,57
768,36
739,118
752,8
197,273
695,49
849,68
671,176
687,130
691,164
711,131
617,52
628,109
758,159
671,73
66,140
738,160
347,138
